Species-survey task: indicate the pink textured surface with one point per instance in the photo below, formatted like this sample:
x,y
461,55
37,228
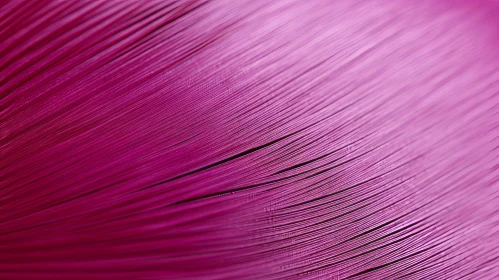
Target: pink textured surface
x,y
242,139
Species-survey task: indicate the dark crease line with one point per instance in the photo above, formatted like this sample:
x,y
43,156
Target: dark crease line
x,y
231,158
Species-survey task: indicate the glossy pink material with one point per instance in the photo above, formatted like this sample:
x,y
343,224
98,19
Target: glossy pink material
x,y
243,139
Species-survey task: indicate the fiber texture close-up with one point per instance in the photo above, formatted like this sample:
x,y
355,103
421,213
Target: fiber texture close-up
x,y
249,139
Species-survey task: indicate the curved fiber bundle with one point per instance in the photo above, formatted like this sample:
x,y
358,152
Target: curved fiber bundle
x,y
249,139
